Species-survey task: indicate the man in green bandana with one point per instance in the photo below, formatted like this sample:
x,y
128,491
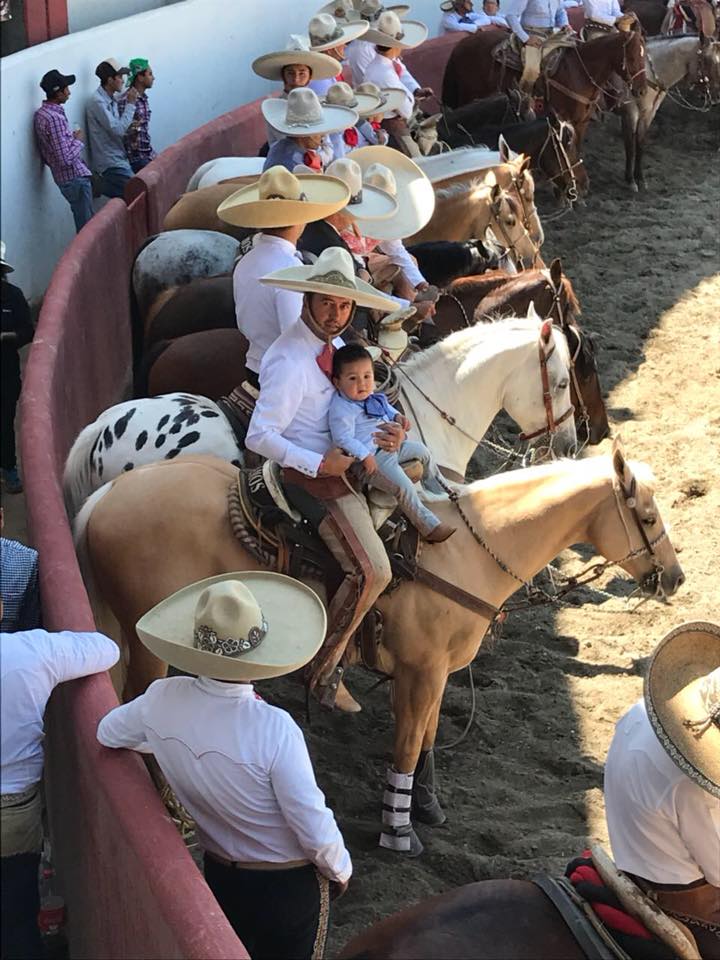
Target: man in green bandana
x,y
137,139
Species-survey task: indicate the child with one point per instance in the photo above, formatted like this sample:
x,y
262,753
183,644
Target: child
x,y
355,411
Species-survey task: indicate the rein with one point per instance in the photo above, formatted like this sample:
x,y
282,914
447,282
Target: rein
x,y
552,423
555,138
497,224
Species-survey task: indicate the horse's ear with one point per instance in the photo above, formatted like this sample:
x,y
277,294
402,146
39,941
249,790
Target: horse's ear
x,y
556,271
532,313
495,191
545,329
431,122
525,163
503,149
620,466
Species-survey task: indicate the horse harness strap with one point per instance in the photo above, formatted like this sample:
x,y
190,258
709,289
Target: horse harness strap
x,y
590,933
573,94
412,571
552,423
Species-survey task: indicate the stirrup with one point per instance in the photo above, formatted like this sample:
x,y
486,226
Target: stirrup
x,y
328,691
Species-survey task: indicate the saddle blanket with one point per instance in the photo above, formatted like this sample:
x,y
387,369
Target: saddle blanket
x,y
509,52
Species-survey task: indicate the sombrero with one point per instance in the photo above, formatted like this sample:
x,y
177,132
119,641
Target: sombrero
x,y
391,99
682,696
4,265
413,191
302,114
270,65
390,31
237,626
367,203
325,33
281,199
364,104
361,10
333,274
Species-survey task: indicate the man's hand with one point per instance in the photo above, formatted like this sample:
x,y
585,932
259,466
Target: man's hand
x,y
424,310
389,437
423,93
335,463
403,421
370,464
337,889
132,95
534,41
78,134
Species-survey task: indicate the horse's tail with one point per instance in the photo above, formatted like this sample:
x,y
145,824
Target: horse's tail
x,y
77,475
144,368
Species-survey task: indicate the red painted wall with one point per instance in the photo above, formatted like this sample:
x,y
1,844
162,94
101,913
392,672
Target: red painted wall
x,y
45,20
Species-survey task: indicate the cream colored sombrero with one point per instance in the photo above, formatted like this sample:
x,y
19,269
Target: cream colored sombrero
x,y
346,10
270,65
364,104
682,696
302,114
412,190
368,203
391,99
333,274
4,265
237,626
325,33
390,31
281,199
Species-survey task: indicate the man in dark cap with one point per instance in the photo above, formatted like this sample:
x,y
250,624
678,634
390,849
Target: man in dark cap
x,y
107,127
61,148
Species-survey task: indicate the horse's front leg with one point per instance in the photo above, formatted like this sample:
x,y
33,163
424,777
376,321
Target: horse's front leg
x,y
629,117
416,695
425,804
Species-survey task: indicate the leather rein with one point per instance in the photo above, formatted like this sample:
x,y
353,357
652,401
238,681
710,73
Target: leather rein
x,y
566,169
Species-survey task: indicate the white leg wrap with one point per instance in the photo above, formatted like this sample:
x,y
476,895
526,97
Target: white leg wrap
x,y
397,799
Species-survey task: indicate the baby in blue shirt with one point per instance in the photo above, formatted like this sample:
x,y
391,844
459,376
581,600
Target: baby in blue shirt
x,y
355,412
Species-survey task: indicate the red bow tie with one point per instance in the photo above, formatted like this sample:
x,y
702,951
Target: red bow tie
x,y
325,358
350,136
311,158
376,125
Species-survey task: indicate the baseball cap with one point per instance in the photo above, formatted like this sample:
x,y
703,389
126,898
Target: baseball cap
x,y
109,68
54,81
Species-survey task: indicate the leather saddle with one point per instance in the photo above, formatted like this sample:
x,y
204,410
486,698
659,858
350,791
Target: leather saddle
x,y
508,54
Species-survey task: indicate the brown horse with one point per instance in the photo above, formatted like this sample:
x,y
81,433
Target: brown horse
x,y
158,528
573,91
197,210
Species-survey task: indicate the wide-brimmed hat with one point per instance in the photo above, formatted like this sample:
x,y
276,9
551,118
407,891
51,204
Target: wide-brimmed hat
x,y
281,199
682,696
346,10
333,274
367,203
447,5
341,94
237,626
302,114
325,33
270,65
413,191
391,99
110,67
4,265
390,31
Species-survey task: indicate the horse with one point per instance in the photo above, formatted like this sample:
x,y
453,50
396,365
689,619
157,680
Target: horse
x,y
475,372
208,363
197,210
155,530
572,93
670,60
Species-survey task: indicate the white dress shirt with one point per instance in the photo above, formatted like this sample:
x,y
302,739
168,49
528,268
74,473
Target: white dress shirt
x,y
32,664
604,11
239,766
454,22
381,71
358,54
662,825
398,254
263,312
290,420
523,15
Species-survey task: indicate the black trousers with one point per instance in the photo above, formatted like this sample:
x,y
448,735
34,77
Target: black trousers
x,y
20,900
9,395
276,913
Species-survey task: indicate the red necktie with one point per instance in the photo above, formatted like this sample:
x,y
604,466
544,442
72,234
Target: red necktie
x,y
350,136
376,125
397,67
312,159
325,358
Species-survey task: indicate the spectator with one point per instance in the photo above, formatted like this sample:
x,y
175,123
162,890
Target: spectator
x,y
62,149
459,17
33,663
330,37
137,140
106,128
239,766
491,9
19,590
16,331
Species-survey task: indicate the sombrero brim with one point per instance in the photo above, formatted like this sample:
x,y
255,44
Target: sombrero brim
x,y
415,194
400,9
365,106
296,278
296,622
414,33
325,196
351,30
394,100
376,204
672,695
333,119
4,265
270,65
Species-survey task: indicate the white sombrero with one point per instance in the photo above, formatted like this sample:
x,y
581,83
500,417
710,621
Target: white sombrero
x,y
341,94
4,265
390,31
391,99
325,33
270,65
367,203
412,190
682,696
237,626
302,114
281,199
361,10
333,274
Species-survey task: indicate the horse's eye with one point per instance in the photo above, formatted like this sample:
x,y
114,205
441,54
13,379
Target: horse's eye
x,y
511,221
563,384
650,520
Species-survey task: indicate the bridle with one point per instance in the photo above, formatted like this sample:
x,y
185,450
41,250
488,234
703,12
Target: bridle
x,y
566,169
498,228
552,422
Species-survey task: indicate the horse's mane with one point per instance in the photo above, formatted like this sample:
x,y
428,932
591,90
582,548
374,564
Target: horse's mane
x,y
461,189
590,466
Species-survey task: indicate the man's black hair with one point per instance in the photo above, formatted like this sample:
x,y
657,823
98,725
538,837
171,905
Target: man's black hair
x,y
350,353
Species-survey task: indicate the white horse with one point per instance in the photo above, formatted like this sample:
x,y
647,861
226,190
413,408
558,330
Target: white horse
x,y
471,375
224,168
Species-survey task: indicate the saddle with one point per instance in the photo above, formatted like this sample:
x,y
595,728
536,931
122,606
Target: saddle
x,y
508,53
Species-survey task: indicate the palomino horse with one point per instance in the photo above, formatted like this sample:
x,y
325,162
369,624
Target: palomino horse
x,y
572,92
474,373
670,61
155,530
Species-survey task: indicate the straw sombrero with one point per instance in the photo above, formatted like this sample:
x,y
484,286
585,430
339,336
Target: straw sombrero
x,y
281,199
333,274
367,202
270,65
682,696
302,114
237,626
390,31
325,33
391,98
341,94
413,191
346,10
4,265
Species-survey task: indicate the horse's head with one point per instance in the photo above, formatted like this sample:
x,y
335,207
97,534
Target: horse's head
x,y
631,65
508,225
560,161
518,168
630,531
707,73
424,131
538,395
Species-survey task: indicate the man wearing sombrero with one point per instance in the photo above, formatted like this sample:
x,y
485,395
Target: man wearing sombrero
x,y
662,780
327,35
303,122
239,766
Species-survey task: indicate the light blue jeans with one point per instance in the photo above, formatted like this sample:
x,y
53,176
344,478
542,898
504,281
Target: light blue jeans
x,y
114,180
78,193
391,478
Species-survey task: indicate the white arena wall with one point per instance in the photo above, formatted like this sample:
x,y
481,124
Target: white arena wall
x,y
200,51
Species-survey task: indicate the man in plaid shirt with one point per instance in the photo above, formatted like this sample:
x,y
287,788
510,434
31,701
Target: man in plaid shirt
x,y
137,139
61,149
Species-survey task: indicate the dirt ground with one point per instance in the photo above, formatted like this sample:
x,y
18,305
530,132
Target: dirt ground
x,y
523,792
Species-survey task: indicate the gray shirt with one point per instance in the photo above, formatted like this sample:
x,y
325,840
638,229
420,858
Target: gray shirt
x,y
106,129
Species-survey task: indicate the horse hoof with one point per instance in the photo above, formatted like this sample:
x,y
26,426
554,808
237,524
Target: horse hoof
x,y
391,843
633,187
432,814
